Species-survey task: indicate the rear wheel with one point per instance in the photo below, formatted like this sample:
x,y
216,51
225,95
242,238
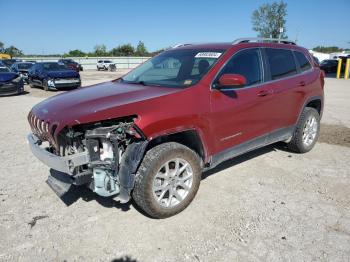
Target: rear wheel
x,y
307,131
167,180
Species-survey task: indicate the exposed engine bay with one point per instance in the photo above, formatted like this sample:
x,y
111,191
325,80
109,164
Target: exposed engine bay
x,y
114,148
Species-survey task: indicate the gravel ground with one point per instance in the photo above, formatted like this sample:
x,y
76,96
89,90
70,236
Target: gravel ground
x,y
268,205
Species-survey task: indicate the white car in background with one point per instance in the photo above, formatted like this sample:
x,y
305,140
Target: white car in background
x,y
106,65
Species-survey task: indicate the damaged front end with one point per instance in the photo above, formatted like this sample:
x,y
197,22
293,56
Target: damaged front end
x,y
104,156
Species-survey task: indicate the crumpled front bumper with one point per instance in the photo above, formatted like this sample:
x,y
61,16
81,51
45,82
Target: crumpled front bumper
x,y
10,88
65,164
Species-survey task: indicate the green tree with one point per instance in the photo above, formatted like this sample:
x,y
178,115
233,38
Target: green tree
x,y
328,49
13,51
2,47
75,53
123,50
100,50
269,18
141,49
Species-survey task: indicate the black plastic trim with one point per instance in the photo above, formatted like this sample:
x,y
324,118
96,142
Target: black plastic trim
x,y
264,140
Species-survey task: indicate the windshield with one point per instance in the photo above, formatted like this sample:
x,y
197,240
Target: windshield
x,y
8,62
67,61
4,69
175,68
54,66
24,66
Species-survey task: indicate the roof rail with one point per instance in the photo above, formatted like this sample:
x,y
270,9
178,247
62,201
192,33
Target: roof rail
x,y
262,40
179,45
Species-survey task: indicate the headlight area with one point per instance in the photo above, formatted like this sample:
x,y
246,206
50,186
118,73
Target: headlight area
x,y
51,82
18,83
17,80
115,152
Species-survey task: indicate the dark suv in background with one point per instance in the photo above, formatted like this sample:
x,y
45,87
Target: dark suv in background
x,y
71,64
53,76
151,133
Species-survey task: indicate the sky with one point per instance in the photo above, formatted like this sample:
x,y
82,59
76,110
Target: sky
x,y
57,26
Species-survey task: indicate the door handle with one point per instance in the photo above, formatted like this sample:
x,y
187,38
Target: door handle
x,y
265,92
302,83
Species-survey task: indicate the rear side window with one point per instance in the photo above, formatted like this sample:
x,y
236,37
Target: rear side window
x,y
302,61
281,63
246,63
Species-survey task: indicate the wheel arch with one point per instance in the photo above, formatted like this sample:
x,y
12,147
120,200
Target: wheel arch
x,y
190,138
315,102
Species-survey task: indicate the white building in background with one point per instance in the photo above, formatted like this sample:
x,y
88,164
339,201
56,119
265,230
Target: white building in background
x,y
320,56
323,56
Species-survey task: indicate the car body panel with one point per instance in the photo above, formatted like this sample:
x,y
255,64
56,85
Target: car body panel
x,y
223,119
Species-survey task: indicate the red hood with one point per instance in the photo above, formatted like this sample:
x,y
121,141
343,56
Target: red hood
x,y
99,102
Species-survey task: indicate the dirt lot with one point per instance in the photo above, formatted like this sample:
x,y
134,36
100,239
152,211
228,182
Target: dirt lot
x,y
268,205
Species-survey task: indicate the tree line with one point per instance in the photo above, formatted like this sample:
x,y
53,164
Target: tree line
x,y
99,51
121,50
329,49
11,50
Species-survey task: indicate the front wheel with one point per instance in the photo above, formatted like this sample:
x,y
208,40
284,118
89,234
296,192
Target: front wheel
x,y
167,180
306,132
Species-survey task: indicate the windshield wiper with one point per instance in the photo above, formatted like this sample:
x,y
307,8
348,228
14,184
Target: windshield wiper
x,y
134,82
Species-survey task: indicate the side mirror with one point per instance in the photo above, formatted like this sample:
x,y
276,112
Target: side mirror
x,y
231,80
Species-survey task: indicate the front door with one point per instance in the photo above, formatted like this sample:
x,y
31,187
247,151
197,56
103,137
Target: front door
x,y
240,114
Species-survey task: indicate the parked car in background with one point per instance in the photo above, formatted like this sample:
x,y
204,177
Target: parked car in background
x,y
53,76
317,61
11,83
329,65
71,64
106,65
9,62
22,68
151,133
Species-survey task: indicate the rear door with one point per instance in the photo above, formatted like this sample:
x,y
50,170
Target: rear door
x,y
286,84
34,74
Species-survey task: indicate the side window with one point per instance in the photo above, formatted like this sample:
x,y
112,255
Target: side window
x,y
281,63
302,61
246,63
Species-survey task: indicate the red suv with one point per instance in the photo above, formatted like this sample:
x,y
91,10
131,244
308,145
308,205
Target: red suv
x,y
150,134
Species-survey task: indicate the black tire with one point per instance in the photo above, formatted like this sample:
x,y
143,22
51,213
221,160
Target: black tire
x,y
98,69
45,85
30,83
154,159
296,144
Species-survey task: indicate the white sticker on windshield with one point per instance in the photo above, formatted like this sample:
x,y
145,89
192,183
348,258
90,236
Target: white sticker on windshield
x,y
208,55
